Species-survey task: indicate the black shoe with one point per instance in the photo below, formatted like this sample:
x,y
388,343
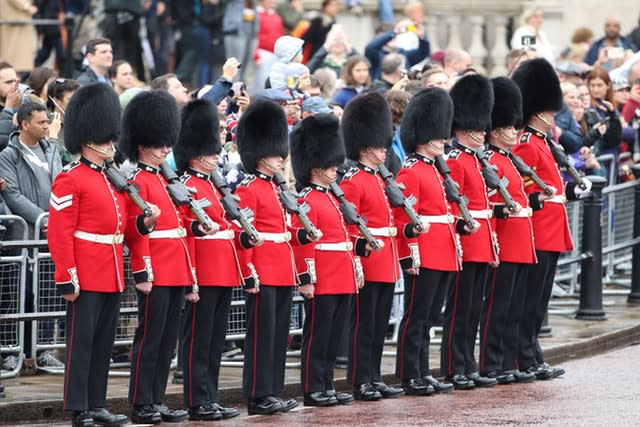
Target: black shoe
x,y
481,381
460,382
555,372
226,412
204,413
81,419
387,391
521,376
2,391
439,387
417,387
502,377
285,405
319,398
341,398
540,372
178,377
102,417
145,414
366,392
171,416
342,363
263,406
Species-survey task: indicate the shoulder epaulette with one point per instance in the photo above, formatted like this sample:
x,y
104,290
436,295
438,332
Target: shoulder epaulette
x,y
351,173
134,173
248,179
70,166
454,154
409,162
524,138
305,191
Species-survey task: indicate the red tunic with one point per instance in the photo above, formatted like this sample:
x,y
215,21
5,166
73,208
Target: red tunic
x,y
334,271
364,188
170,258
216,259
437,248
550,224
515,233
83,199
466,171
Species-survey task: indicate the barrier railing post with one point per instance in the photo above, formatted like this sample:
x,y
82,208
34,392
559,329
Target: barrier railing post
x,y
591,276
634,296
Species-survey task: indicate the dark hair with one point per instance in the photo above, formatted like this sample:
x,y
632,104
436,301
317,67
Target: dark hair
x,y
398,101
162,82
5,64
38,78
326,3
25,111
599,72
347,70
58,88
113,71
93,43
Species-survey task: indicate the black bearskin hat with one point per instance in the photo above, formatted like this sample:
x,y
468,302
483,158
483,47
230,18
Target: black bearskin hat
x,y
151,119
540,88
199,133
507,103
472,97
427,117
92,116
262,132
315,143
366,122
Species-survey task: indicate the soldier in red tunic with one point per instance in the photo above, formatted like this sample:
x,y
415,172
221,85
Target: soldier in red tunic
x,y
269,269
87,226
328,273
541,99
161,263
429,260
368,130
473,99
218,270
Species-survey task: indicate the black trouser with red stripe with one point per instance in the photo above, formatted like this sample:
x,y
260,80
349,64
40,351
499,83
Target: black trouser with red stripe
x,y
265,346
423,299
325,320
92,320
153,343
495,313
461,318
539,285
203,337
514,317
369,323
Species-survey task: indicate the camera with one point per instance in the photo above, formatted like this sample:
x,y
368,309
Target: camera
x,y
528,42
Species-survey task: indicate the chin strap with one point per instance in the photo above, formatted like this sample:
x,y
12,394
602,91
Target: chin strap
x,y
207,163
544,119
476,138
104,151
504,136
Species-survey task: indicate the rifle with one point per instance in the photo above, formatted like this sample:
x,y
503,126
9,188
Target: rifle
x,y
527,171
352,217
291,205
563,161
122,185
491,179
452,191
181,195
397,199
231,207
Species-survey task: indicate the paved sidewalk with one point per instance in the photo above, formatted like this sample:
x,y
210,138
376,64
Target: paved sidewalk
x,y
32,398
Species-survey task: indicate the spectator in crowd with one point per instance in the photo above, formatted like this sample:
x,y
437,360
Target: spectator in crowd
x,y
121,25
159,34
240,28
319,27
327,82
398,101
17,41
210,40
580,42
121,76
634,35
39,81
609,48
269,31
568,132
297,79
287,50
516,57
356,79
392,71
292,14
334,53
185,14
456,61
602,109
9,100
171,84
100,58
51,35
621,95
435,77
314,105
532,20
60,93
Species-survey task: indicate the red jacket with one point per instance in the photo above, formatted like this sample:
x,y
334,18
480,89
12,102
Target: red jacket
x,y
364,188
466,171
515,233
273,261
216,259
83,200
270,28
550,224
439,248
170,258
334,271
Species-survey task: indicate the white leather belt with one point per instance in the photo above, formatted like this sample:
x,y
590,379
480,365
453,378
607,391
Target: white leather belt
x,y
336,247
560,198
523,213
384,232
220,235
483,214
437,219
174,233
275,237
106,239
